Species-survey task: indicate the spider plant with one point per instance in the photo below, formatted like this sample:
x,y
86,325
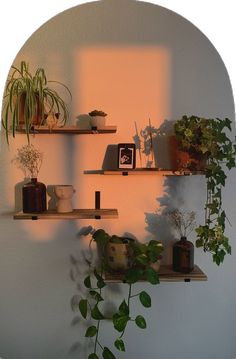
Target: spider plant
x,y
28,98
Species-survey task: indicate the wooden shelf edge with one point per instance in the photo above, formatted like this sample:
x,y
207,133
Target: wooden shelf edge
x,y
166,274
76,214
144,171
68,130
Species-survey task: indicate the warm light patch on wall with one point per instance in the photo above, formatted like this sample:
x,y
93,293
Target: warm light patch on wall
x,y
129,83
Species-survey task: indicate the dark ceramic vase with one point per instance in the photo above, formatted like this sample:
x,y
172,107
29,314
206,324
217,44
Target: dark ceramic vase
x,y
34,197
183,256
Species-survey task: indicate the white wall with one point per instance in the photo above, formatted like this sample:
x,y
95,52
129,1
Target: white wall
x,y
135,61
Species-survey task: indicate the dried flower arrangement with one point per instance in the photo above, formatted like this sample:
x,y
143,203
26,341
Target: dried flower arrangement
x,y
183,221
29,160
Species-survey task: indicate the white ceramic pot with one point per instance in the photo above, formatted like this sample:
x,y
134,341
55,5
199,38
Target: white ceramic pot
x,y
98,121
64,195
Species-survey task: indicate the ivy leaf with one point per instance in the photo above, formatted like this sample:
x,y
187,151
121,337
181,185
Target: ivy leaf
x,y
120,321
221,219
231,163
83,307
96,314
152,276
141,322
95,295
119,344
87,282
91,331
107,354
145,299
93,356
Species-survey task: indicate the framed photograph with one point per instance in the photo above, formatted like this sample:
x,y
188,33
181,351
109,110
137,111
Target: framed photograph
x,y
126,155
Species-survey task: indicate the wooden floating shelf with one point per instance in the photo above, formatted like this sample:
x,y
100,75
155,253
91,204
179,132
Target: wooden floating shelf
x,y
166,274
144,171
76,214
72,130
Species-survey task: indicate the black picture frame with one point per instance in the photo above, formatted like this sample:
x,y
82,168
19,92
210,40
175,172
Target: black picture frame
x,y
126,156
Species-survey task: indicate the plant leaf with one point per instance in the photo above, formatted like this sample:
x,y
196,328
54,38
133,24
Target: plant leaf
x,y
152,276
96,314
91,331
123,308
83,307
87,282
133,275
107,354
93,356
119,344
141,322
120,321
145,299
97,296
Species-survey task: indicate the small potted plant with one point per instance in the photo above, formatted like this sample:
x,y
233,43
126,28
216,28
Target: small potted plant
x,y
97,119
29,160
92,307
208,140
29,98
183,250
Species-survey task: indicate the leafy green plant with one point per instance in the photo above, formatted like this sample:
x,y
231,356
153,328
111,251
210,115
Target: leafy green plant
x,y
29,97
208,138
91,307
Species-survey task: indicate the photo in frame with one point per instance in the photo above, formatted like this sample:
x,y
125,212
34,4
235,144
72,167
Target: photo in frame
x,y
126,155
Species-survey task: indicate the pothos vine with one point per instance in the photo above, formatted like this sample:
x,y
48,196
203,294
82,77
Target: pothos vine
x,y
91,309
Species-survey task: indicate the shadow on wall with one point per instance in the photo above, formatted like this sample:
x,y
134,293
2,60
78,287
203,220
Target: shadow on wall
x,y
83,264
152,148
157,222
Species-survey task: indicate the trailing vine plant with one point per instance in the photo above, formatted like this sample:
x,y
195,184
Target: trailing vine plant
x,y
208,138
145,257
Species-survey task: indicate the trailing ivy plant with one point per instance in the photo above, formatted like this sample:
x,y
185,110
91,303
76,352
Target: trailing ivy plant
x,y
208,138
144,257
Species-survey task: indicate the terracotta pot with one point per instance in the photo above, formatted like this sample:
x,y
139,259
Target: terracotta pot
x,y
119,256
37,118
181,160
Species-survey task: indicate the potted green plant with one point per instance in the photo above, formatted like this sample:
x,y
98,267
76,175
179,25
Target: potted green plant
x,y
28,98
208,139
144,255
97,119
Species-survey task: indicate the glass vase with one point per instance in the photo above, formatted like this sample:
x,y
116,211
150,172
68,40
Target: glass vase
x,y
34,197
183,256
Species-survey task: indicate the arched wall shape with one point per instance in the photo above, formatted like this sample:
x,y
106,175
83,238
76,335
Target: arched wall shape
x,y
138,62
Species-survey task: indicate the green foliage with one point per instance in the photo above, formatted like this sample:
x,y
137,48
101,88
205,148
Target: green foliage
x,y
119,344
141,322
144,255
207,138
39,98
83,307
107,354
93,356
145,299
91,331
